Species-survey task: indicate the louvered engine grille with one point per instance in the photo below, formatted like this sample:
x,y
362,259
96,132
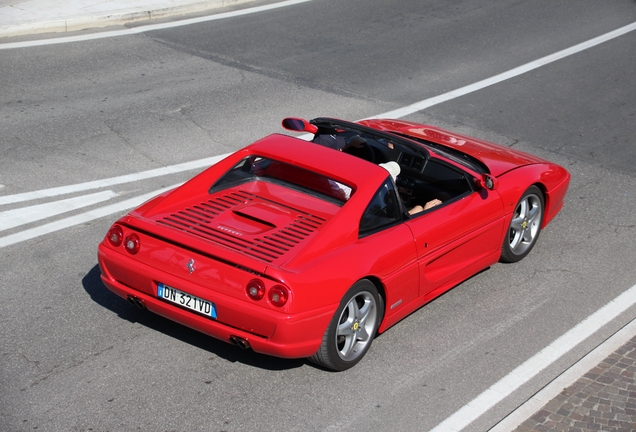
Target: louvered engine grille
x,y
198,220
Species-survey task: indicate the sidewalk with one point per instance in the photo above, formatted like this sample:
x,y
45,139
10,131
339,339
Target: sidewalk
x,y
604,399
28,17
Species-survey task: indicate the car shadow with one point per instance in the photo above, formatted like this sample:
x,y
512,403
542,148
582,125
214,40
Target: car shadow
x,y
101,295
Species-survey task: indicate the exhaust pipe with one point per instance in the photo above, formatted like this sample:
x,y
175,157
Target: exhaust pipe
x,y
136,301
240,342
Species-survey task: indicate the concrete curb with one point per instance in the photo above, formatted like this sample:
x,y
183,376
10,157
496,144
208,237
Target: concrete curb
x,y
112,18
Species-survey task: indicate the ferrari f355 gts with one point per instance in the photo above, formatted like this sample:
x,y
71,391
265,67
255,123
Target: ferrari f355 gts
x,y
310,247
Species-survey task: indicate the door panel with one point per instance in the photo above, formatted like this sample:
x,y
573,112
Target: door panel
x,y
457,237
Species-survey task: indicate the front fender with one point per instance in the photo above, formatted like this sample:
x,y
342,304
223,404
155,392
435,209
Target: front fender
x,y
552,179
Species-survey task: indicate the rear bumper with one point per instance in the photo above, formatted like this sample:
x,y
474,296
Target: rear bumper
x,y
266,330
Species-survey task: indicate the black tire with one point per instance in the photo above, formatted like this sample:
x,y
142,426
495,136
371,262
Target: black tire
x,y
525,226
352,328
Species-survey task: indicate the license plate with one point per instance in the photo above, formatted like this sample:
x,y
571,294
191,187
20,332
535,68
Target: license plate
x,y
186,300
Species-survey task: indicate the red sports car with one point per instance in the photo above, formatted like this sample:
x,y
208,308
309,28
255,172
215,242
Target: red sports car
x,y
298,248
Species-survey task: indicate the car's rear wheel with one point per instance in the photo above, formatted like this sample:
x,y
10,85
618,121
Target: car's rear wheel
x,y
525,226
352,328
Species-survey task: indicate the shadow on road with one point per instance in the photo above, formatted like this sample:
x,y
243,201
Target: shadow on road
x,y
101,295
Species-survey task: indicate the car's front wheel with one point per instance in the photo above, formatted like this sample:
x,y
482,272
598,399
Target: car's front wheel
x,y
525,226
352,328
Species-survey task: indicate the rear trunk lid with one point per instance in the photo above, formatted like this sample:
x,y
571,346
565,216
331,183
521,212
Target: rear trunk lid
x,y
258,221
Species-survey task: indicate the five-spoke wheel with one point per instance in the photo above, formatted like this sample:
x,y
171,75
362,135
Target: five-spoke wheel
x,y
352,327
525,226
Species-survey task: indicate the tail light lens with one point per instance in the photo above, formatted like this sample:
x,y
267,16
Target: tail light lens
x,y
255,289
115,235
278,295
132,243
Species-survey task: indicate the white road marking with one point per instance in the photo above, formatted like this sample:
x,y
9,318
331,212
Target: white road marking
x,y
419,106
151,27
80,218
96,184
13,218
531,367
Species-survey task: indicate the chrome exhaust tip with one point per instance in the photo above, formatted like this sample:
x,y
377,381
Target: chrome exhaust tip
x,y
240,342
136,301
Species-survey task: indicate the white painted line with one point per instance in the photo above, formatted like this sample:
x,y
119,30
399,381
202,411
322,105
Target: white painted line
x,y
96,184
79,219
567,378
13,218
530,368
419,106
147,28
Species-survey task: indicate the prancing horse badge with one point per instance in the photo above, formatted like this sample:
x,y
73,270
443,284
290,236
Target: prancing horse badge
x,y
190,265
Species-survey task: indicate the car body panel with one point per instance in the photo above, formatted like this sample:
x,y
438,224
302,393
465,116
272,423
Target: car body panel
x,y
461,235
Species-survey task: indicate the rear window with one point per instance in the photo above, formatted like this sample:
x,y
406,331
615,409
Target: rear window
x,y
255,168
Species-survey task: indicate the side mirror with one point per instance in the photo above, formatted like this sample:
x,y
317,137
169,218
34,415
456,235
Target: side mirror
x,y
299,125
488,182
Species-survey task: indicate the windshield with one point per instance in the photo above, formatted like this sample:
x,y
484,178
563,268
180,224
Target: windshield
x,y
452,154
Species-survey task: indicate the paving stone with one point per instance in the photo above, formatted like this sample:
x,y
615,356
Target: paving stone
x,y
603,399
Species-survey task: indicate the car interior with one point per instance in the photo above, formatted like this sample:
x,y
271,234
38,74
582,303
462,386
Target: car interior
x,y
422,177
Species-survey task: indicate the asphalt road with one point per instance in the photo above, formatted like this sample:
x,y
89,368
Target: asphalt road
x,y
73,356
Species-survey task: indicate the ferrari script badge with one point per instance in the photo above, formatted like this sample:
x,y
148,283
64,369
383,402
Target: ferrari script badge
x,y
190,265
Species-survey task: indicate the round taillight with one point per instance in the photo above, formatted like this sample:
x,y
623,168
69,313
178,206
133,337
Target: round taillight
x,y
255,289
278,295
132,244
115,235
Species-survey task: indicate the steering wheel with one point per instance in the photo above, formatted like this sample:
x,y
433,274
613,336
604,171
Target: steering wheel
x,y
363,152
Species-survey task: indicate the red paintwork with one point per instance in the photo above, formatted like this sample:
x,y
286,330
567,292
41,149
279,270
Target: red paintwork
x,y
410,263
